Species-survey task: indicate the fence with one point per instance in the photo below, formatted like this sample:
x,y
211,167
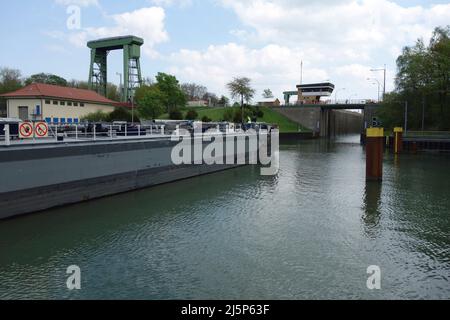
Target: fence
x,y
105,132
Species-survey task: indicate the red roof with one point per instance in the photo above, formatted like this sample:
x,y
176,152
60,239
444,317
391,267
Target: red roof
x,y
40,90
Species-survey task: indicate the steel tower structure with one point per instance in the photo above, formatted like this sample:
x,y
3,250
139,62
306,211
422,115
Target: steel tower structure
x,y
98,74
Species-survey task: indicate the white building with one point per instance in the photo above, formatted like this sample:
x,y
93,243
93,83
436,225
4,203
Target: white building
x,y
55,104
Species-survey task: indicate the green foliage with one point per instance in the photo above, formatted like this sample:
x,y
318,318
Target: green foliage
x,y
174,97
228,115
150,101
423,80
267,94
191,115
122,114
241,88
238,115
176,115
10,80
224,101
112,92
206,119
46,78
98,116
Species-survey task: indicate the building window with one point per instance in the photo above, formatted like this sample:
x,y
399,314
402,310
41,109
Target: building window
x,y
69,120
63,103
55,102
63,120
55,120
81,104
76,120
47,101
48,120
69,104
75,104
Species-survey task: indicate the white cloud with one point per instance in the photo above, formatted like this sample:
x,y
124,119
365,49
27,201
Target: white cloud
x,y
272,66
147,23
81,3
169,3
344,39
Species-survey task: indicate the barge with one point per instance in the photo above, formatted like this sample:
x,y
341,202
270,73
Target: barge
x,y
39,175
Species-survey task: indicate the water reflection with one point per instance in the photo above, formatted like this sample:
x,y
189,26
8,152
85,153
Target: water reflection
x,y
372,203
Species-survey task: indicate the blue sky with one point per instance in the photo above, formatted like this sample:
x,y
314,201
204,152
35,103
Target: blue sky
x,y
211,41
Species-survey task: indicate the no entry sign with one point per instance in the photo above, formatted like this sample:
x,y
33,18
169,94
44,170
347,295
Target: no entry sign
x,y
26,130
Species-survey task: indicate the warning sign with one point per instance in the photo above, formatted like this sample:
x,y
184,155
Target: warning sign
x,y
26,130
41,129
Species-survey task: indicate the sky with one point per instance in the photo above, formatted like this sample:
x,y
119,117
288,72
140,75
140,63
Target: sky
x,y
210,42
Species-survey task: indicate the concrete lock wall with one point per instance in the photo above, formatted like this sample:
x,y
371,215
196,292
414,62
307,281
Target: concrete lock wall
x,y
325,122
308,117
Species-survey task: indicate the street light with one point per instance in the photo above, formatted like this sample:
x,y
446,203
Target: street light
x,y
120,88
336,92
384,85
379,85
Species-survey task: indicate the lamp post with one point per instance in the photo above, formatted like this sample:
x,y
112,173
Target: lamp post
x,y
336,92
379,85
120,87
384,85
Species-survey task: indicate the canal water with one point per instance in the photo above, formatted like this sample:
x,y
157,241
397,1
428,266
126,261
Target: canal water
x,y
310,232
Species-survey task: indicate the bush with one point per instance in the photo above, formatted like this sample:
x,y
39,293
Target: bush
x,y
98,116
191,115
206,119
228,115
259,113
176,115
122,114
238,116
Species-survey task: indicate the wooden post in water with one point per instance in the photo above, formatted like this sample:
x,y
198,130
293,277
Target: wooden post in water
x,y
374,154
398,142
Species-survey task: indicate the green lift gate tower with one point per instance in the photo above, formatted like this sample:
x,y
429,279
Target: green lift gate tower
x,y
98,74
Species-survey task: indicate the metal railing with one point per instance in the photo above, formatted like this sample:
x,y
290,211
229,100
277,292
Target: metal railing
x,y
71,133
427,134
105,132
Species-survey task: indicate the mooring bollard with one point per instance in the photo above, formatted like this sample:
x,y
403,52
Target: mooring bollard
x,y
374,154
398,140
7,135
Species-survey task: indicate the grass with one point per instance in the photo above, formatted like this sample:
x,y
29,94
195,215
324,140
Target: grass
x,y
270,116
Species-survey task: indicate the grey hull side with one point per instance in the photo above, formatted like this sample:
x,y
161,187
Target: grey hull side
x,y
43,177
32,200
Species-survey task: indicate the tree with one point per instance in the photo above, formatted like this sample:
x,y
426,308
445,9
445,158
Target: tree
x,y
241,88
46,78
150,101
174,97
10,80
423,80
224,101
194,91
267,94
112,92
211,98
78,84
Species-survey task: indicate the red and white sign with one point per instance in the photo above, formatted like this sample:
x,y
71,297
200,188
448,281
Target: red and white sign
x,y
41,130
26,130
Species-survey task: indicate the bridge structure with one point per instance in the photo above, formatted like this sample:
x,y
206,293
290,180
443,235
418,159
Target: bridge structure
x,y
331,119
98,72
